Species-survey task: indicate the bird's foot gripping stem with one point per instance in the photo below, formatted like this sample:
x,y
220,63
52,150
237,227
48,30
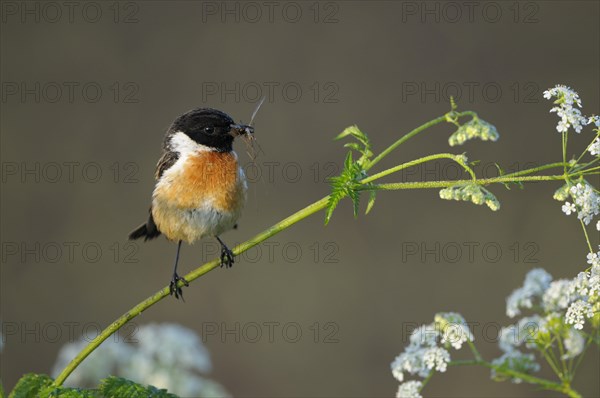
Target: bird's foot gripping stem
x,y
174,289
227,257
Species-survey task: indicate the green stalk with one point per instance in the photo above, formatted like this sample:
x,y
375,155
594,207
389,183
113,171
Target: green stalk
x,y
195,274
415,162
546,384
416,131
444,184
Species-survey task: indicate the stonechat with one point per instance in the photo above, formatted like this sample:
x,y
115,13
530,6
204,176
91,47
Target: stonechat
x,y
200,187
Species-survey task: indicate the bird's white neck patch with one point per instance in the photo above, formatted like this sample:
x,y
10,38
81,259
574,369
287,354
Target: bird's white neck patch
x,y
184,145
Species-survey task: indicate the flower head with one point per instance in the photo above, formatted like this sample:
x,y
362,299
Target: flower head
x,y
168,356
536,282
471,192
586,202
410,389
567,108
454,328
577,312
474,128
574,343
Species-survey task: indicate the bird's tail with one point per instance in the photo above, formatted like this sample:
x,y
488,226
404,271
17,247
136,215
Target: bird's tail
x,y
147,230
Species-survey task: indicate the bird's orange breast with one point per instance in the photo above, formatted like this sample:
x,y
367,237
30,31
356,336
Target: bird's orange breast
x,y
200,195
204,178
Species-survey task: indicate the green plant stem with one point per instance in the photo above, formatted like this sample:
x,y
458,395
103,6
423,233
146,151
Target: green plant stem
x,y
587,238
456,158
198,272
549,356
546,384
414,132
564,149
444,184
425,381
474,350
535,169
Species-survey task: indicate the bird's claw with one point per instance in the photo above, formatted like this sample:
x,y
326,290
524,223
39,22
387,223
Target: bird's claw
x,y
174,289
227,258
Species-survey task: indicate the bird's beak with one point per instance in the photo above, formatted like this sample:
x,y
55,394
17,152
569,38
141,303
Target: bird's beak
x,y
241,129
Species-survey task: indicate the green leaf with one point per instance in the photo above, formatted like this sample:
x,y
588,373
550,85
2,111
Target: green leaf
x,y
371,201
333,202
355,196
352,130
453,105
353,145
117,387
348,161
30,385
500,170
348,182
65,392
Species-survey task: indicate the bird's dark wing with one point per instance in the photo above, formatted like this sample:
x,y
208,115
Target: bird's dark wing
x,y
167,160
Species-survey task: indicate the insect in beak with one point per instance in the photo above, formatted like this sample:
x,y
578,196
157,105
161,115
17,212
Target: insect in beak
x,y
246,131
241,129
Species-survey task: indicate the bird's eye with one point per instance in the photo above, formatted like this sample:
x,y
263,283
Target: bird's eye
x,y
209,130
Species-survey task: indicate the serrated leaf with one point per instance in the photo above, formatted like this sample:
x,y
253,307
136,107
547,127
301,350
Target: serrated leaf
x,y
371,201
348,161
333,202
351,130
355,196
65,392
353,145
500,170
30,385
117,387
453,105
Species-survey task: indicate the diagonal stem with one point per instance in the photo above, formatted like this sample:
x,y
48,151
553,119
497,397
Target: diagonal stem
x,y
195,274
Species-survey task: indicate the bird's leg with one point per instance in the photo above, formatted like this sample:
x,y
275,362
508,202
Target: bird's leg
x,y
226,255
173,288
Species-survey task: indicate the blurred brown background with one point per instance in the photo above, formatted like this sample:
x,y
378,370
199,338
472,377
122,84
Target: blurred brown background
x,y
93,91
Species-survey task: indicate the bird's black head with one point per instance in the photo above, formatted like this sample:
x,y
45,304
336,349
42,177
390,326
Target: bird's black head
x,y
209,127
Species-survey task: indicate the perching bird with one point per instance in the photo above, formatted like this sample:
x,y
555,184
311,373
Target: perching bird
x,y
200,188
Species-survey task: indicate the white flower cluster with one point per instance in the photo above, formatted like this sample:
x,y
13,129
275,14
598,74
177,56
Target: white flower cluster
x,y
523,332
564,304
595,147
471,192
536,282
586,199
574,344
567,108
167,356
410,389
454,328
578,296
428,350
474,128
586,202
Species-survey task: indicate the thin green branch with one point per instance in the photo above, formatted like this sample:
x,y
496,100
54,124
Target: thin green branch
x,y
448,183
195,274
457,158
416,131
587,238
546,384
